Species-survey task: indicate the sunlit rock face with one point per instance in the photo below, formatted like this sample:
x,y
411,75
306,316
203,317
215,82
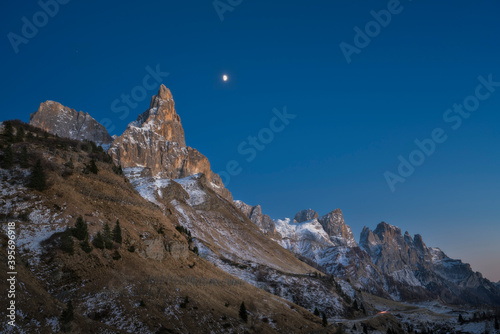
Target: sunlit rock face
x,y
155,141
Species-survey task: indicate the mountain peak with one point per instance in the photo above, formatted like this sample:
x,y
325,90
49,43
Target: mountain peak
x,y
155,141
383,228
164,93
339,232
305,215
66,122
162,118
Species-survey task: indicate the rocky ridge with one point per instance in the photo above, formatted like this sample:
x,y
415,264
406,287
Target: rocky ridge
x,y
386,262
59,120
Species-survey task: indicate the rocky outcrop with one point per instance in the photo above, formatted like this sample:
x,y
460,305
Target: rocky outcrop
x,y
254,213
156,141
177,250
339,232
305,215
59,120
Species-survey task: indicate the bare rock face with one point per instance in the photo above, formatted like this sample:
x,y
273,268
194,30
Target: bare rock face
x,y
305,215
156,141
155,249
339,232
59,120
254,213
392,251
177,250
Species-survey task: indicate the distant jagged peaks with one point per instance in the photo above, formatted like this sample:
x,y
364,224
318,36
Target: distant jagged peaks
x,y
65,122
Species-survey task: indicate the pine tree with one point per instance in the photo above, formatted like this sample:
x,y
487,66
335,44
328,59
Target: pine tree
x,y
324,321
8,158
68,314
85,246
117,233
106,235
8,132
38,180
460,319
23,158
67,244
355,305
363,308
365,329
316,312
20,134
81,231
98,241
497,325
243,312
196,250
92,167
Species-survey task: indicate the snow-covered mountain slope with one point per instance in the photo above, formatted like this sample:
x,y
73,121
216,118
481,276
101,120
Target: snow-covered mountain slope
x,y
227,238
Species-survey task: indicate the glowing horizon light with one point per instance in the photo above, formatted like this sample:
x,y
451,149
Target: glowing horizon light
x,y
225,77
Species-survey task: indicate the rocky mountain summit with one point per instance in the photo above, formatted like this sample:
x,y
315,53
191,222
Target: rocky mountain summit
x,y
156,143
59,120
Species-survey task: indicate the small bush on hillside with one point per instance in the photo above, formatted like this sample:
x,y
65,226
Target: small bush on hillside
x,y
67,244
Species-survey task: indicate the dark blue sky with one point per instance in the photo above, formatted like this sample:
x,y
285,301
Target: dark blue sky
x,y
353,119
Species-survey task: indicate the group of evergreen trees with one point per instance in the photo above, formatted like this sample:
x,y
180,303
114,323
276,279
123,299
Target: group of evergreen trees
x,y
37,179
8,133
80,232
324,320
107,237
8,153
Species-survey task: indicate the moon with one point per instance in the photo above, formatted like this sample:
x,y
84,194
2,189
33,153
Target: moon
x,y
225,77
